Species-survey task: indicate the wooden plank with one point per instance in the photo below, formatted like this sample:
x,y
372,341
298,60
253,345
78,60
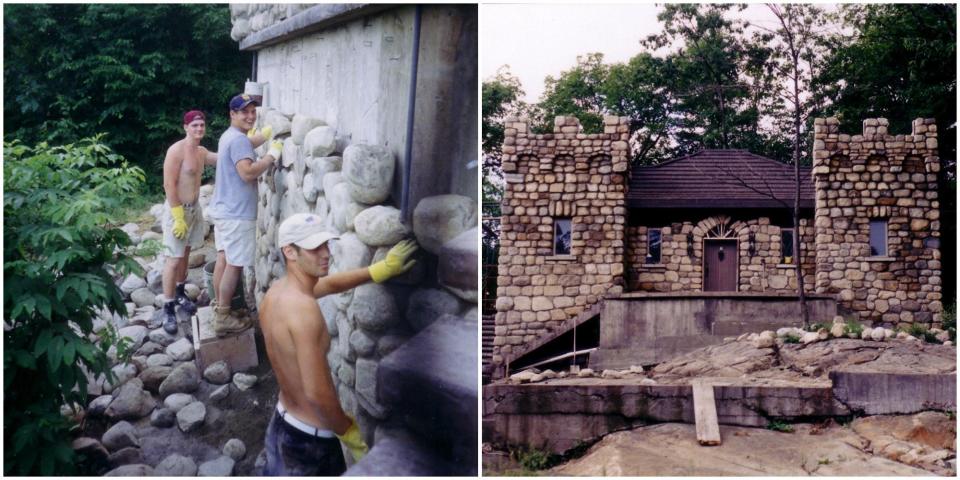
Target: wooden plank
x,y
705,413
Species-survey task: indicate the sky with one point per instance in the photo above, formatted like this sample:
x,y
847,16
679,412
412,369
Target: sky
x,y
537,40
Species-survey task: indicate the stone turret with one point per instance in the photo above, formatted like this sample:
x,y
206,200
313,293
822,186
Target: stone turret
x,y
568,175
890,181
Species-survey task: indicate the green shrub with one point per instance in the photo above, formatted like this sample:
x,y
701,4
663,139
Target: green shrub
x,y
533,459
779,426
853,326
817,326
950,321
791,338
58,243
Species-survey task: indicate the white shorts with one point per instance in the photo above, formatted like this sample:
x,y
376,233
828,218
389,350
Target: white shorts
x,y
238,238
196,230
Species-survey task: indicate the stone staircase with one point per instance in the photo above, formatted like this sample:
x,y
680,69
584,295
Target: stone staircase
x,y
431,385
486,346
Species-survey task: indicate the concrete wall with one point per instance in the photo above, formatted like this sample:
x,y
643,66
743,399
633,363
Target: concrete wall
x,y
643,329
337,80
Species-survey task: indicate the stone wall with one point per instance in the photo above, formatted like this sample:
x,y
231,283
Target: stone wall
x,y
343,134
876,175
562,174
681,269
247,18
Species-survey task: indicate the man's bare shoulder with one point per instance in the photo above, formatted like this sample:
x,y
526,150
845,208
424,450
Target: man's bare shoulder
x,y
175,151
286,303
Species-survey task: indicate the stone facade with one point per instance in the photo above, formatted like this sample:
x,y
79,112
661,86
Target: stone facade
x,y
343,160
681,266
565,174
876,175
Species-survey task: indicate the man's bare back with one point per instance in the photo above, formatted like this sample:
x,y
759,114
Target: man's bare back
x,y
191,159
288,317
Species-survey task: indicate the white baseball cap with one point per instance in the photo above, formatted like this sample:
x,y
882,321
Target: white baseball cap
x,y
303,230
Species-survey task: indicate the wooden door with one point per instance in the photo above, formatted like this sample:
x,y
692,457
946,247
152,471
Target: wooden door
x,y
720,264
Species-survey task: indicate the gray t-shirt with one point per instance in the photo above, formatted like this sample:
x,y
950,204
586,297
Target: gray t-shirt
x,y
233,198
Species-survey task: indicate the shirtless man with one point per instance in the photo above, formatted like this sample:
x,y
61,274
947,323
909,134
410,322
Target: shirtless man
x,y
301,436
183,225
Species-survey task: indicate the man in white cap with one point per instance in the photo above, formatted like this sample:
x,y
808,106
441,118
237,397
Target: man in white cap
x,y
302,436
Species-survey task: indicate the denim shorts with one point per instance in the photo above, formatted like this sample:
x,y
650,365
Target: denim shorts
x,y
291,452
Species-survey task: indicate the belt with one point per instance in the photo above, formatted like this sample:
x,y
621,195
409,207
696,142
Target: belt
x,y
301,425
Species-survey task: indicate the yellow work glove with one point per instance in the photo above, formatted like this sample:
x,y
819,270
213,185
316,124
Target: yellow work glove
x,y
354,441
179,222
276,149
267,132
395,263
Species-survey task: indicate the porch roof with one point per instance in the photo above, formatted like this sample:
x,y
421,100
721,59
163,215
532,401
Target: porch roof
x,y
719,179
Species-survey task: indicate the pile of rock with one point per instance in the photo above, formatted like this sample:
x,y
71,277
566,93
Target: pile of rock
x,y
156,380
839,329
534,375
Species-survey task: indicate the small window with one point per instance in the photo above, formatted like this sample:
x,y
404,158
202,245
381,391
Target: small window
x,y
878,237
786,246
653,246
561,236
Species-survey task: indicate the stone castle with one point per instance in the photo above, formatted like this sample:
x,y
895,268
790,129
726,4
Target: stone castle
x,y
869,226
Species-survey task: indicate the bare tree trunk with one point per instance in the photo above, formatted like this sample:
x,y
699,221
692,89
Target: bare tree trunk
x,y
797,248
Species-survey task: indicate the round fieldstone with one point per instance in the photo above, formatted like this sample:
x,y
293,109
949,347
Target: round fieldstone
x,y
126,456
361,343
131,283
379,226
220,393
138,470
244,381
279,122
130,402
183,379
191,417
136,334
120,435
181,350
143,297
218,373
163,418
159,360
122,373
176,401
98,406
152,377
349,253
320,141
220,467
343,209
235,449
440,218
149,348
368,172
427,305
301,125
373,308
176,465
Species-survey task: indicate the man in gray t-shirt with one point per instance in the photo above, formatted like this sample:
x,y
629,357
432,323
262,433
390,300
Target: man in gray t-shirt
x,y
234,207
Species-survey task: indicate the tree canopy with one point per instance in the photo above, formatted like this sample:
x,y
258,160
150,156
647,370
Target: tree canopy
x,y
75,70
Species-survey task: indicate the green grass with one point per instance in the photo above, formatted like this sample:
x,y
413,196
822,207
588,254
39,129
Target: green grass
x,y
533,459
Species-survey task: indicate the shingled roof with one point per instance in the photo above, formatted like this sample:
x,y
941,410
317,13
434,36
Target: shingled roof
x,y
718,179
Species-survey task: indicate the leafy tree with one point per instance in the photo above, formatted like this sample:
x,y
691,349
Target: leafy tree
x,y
577,92
59,247
71,70
901,64
500,98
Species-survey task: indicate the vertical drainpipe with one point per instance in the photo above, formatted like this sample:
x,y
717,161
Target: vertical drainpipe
x,y
411,109
253,68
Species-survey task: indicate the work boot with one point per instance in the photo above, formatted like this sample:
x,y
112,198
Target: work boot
x,y
185,303
226,323
170,317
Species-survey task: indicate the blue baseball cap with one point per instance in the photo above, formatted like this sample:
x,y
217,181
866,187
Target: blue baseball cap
x,y
240,102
